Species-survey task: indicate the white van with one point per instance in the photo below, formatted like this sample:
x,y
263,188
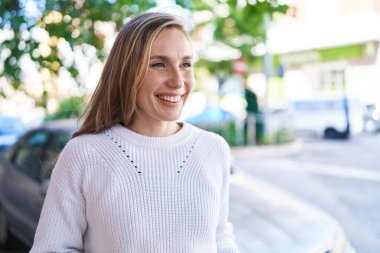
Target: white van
x,y
327,114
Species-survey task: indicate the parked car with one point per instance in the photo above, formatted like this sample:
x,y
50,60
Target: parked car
x,y
11,128
279,222
25,170
216,120
372,118
326,116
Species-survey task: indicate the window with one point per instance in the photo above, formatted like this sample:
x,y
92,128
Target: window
x,y
54,147
28,155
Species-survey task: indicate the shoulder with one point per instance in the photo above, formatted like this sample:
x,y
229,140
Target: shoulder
x,y
215,150
85,141
82,149
77,145
77,159
211,140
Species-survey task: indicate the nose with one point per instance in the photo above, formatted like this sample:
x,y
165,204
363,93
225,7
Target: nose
x,y
176,80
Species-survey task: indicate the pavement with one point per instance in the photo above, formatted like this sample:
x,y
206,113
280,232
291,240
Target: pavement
x,y
267,219
244,203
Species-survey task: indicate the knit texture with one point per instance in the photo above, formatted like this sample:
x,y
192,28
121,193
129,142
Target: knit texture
x,y
119,191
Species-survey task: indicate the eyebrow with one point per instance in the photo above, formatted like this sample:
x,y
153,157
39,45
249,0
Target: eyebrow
x,y
187,57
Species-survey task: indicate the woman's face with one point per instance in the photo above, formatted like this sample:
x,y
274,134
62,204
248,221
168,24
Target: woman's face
x,y
169,79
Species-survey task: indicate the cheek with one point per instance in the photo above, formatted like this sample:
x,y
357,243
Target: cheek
x,y
142,95
190,81
147,88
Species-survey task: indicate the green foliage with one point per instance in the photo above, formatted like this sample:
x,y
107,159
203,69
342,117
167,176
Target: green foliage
x,y
76,24
226,129
215,67
280,136
72,21
244,27
68,108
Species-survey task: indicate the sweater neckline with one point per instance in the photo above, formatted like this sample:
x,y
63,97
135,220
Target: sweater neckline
x,y
153,142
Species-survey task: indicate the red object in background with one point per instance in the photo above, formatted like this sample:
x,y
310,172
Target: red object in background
x,y
239,67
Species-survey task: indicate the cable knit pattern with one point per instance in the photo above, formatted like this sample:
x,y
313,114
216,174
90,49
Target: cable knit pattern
x,y
119,191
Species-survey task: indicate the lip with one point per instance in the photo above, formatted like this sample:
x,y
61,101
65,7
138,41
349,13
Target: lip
x,y
170,94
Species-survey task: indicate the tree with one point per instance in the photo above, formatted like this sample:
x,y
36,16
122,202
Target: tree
x,y
68,108
239,24
45,34
36,31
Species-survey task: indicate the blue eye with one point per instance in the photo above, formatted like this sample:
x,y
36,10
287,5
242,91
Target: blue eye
x,y
186,65
158,65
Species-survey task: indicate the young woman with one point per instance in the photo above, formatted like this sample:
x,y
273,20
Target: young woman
x,y
133,179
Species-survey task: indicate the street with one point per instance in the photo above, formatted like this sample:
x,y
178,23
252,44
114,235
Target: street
x,y
340,177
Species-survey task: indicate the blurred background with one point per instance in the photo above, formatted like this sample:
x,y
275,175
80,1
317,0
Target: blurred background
x,y
293,86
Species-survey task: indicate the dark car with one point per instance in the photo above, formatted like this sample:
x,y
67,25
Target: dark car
x,y
25,170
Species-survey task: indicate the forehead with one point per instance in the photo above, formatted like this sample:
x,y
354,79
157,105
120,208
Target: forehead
x,y
170,40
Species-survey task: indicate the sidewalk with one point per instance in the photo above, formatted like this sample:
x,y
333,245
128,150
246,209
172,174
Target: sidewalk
x,y
267,219
254,216
244,204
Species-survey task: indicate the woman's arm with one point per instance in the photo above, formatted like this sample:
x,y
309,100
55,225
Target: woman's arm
x,y
62,222
225,238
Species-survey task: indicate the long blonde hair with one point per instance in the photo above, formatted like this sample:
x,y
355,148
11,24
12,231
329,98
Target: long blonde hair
x,y
114,99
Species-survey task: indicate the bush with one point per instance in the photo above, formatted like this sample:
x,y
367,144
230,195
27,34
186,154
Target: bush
x,y
68,108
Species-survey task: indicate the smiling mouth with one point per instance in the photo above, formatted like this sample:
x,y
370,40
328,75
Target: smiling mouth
x,y
172,99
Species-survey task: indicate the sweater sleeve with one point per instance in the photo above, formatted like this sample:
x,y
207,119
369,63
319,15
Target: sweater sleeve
x,y
62,222
225,238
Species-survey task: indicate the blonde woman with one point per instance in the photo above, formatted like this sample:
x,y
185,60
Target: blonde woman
x,y
133,179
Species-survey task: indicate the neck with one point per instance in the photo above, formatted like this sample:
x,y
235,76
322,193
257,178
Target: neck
x,y
160,129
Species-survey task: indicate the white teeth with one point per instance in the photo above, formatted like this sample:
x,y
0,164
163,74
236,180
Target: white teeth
x,y
172,99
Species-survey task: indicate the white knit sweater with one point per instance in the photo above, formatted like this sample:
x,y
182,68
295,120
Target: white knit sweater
x,y
119,191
